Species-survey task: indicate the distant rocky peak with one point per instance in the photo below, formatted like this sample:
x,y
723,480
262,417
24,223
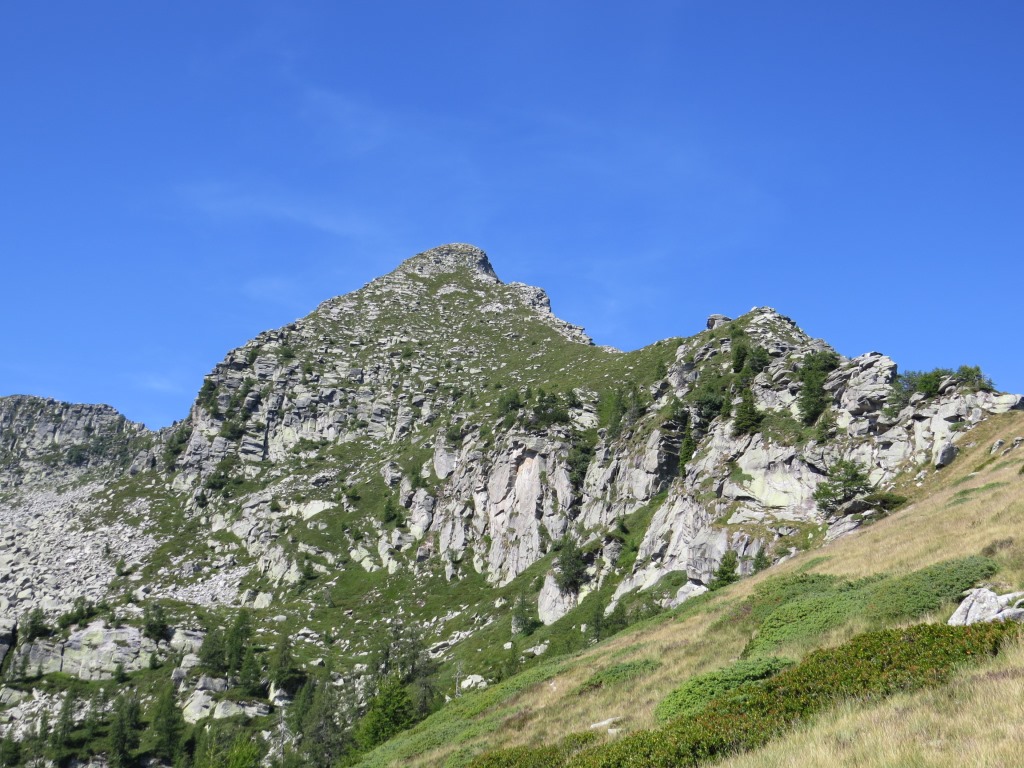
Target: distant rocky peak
x,y
453,257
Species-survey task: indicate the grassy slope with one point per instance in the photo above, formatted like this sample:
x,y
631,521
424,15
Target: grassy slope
x,y
975,504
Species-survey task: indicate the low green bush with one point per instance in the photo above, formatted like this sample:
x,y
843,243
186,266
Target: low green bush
x,y
804,618
693,695
536,757
617,674
926,590
804,606
873,665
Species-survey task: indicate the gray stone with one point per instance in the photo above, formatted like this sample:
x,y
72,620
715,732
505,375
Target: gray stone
x,y
472,682
945,454
984,605
716,321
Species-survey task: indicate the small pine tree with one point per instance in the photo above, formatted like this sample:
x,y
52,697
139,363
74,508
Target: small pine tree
x,y
35,625
748,418
154,622
572,568
813,399
123,738
524,618
250,675
846,480
10,752
323,742
761,560
212,652
61,736
284,672
237,640
726,573
617,620
168,725
389,712
243,753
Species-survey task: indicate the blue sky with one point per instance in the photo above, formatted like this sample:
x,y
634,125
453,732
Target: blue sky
x,y
176,177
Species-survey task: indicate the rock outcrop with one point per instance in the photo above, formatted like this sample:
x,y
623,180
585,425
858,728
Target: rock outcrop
x,y
984,606
439,426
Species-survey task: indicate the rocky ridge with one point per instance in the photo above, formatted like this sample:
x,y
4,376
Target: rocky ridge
x,y
439,429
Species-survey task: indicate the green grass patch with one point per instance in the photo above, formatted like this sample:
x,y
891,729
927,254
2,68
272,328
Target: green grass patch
x,y
618,674
693,695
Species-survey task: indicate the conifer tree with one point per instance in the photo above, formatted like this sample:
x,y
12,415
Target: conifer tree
x,y
726,573
61,736
124,735
390,712
168,725
250,676
761,560
237,640
748,418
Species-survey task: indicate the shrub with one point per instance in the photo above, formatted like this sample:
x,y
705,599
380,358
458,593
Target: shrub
x,y
726,573
846,479
926,590
453,434
572,568
813,400
618,673
693,695
886,500
81,611
536,757
232,430
550,410
871,665
908,383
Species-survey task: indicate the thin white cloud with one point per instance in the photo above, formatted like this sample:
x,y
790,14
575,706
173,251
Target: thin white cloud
x,y
226,200
159,383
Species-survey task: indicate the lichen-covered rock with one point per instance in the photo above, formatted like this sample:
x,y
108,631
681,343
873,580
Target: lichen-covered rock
x,y
983,606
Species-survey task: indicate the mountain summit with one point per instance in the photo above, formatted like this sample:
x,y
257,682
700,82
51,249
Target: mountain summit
x,y
453,257
422,473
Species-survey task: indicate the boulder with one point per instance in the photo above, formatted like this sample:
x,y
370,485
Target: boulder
x,y
984,605
716,321
471,682
551,603
944,455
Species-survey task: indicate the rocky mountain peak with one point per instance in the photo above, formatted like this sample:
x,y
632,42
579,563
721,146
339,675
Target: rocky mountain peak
x,y
453,257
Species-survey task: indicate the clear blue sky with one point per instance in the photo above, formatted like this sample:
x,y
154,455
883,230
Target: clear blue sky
x,y
176,177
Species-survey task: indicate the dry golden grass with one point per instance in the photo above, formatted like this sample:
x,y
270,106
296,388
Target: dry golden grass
x,y
978,720
939,525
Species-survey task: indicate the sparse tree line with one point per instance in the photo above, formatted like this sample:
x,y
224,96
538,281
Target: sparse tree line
x,y
325,723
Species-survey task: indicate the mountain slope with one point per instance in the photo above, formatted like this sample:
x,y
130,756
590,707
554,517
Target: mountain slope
x,y
976,507
436,466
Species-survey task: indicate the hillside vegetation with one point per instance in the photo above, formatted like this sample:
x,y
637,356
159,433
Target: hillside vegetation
x,y
961,528
431,522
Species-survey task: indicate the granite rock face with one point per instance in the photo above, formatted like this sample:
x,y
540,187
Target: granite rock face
x,y
439,426
984,606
